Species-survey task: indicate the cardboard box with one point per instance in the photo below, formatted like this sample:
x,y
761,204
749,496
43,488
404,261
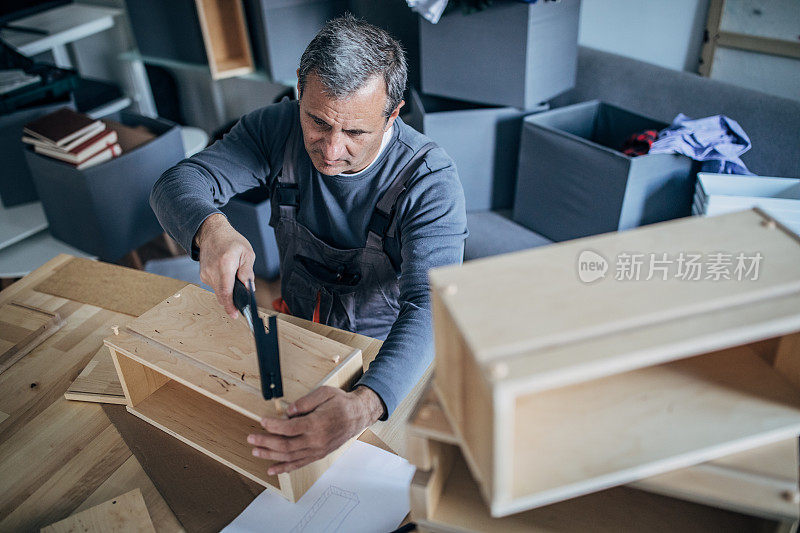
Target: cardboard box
x,y
573,181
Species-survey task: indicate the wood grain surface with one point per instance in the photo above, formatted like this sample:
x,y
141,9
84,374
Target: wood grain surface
x,y
127,513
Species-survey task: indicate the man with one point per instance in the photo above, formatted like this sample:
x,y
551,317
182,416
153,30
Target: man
x,y
362,205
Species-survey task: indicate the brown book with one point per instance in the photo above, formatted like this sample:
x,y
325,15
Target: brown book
x,y
82,152
62,126
109,153
130,138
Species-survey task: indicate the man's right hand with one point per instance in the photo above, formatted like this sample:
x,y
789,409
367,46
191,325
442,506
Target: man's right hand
x,y
224,255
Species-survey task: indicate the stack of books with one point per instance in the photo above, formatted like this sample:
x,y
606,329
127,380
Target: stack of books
x,y
81,141
716,194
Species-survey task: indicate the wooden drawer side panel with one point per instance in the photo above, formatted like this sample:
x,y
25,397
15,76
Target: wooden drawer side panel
x,y
465,396
646,422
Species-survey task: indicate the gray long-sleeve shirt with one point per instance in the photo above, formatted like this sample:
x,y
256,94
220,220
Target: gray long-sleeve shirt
x,y
431,215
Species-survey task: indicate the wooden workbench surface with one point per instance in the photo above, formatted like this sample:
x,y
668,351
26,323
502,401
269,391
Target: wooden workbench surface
x,y
58,457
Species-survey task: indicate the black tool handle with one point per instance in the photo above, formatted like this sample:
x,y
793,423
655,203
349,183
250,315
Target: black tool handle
x,y
241,296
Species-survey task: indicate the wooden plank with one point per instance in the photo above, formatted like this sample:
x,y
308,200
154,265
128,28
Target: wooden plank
x,y
112,287
193,324
125,513
622,427
524,318
755,43
23,328
98,382
225,37
715,10
460,509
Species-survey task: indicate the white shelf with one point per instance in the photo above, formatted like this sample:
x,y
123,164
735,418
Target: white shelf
x,y
24,257
64,25
19,222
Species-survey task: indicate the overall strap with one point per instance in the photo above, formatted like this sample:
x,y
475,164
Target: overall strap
x,y
382,222
285,190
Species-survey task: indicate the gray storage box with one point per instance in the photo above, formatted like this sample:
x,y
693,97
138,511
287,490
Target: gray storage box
x,y
280,30
249,214
482,140
104,210
574,182
16,184
512,53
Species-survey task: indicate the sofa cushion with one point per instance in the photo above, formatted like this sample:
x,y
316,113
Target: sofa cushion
x,y
493,233
771,122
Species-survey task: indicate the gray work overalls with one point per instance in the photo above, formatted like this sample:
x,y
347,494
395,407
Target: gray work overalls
x,y
356,289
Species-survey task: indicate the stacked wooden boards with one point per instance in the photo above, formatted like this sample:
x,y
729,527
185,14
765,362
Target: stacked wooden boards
x,y
574,384
188,369
23,328
445,497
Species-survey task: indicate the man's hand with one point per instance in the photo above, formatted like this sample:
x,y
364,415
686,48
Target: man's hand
x,y
319,423
224,255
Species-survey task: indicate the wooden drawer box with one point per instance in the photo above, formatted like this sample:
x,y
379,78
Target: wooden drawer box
x,y
558,387
189,370
445,498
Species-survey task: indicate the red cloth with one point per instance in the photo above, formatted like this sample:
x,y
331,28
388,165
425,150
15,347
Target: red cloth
x,y
280,306
639,143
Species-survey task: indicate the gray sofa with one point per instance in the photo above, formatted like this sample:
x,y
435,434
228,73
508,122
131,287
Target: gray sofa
x,y
771,122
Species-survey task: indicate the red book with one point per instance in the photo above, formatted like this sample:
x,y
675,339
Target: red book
x,y
62,127
109,153
83,151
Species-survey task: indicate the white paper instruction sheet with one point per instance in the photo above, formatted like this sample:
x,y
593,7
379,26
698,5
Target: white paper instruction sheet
x,y
365,490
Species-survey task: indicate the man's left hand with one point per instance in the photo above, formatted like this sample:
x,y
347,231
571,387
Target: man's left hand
x,y
318,424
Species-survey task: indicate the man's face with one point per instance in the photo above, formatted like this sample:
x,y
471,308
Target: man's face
x,y
344,136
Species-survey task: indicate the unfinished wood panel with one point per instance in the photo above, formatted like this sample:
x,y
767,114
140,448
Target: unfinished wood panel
x,y
525,286
23,328
185,359
193,323
762,481
131,476
112,287
98,382
787,358
138,381
199,422
461,509
125,513
622,427
225,36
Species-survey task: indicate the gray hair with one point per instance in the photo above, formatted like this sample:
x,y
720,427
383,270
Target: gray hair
x,y
347,52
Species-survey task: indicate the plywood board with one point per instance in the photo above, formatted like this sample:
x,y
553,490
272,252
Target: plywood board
x,y
112,287
23,328
522,288
189,338
641,423
126,513
98,382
